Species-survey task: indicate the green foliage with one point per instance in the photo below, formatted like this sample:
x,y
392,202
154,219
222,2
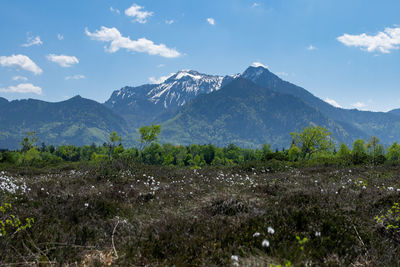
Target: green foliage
x,y
394,152
301,242
10,222
313,139
374,148
29,141
294,153
359,147
391,220
344,151
149,134
113,139
68,153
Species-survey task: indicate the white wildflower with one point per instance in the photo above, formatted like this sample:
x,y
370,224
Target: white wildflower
x,y
265,243
256,234
271,230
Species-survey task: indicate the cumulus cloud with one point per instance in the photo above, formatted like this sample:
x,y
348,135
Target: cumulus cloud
x,y
22,88
211,21
332,102
259,64
311,48
359,105
60,37
17,78
33,41
138,13
383,42
115,10
63,60
75,77
171,21
21,62
117,41
160,80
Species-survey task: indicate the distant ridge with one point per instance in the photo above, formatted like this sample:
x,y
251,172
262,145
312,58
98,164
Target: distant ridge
x,y
77,121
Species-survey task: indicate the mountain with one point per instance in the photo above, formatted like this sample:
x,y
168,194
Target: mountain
x,y
144,104
248,115
248,109
395,111
77,121
386,126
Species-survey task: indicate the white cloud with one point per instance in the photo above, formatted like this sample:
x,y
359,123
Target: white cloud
x,y
382,42
17,78
75,77
359,105
161,79
259,64
255,5
23,88
311,48
211,21
60,37
32,41
171,21
20,61
63,60
138,13
115,10
117,41
333,102
160,65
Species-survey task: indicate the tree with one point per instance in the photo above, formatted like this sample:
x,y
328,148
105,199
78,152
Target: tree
x,y
344,151
294,153
114,138
359,147
149,134
394,152
376,150
313,139
359,152
29,141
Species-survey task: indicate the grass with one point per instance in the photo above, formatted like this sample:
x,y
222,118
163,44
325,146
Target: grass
x,y
118,213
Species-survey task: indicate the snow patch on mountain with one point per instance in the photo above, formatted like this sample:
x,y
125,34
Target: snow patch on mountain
x,y
176,90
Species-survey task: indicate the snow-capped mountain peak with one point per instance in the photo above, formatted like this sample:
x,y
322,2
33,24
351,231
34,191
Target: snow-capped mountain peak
x,y
176,90
183,86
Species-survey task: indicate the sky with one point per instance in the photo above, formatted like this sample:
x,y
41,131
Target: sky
x,y
344,51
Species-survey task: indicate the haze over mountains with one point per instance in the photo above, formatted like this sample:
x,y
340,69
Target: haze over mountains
x,y
247,109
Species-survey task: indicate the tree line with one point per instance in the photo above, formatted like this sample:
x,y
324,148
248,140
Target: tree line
x,y
312,144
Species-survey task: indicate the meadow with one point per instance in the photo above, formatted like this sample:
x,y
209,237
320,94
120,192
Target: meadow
x,y
259,213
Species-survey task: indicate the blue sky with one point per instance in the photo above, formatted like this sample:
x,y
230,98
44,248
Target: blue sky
x,y
345,51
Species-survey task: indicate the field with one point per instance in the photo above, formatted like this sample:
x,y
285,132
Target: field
x,y
118,213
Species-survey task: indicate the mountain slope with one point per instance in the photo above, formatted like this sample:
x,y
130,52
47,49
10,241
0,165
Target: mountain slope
x,y
75,121
384,125
143,104
247,115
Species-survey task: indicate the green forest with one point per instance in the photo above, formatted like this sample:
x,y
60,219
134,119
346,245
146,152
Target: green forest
x,y
313,145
